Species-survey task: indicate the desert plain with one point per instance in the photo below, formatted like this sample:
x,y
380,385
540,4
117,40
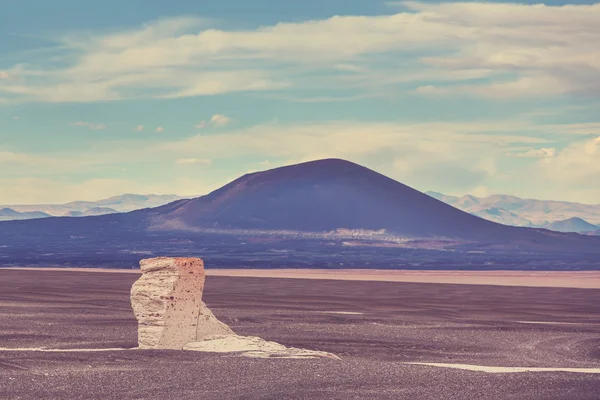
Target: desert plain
x,y
400,335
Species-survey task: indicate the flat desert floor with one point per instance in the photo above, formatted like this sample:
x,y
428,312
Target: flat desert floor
x,y
396,340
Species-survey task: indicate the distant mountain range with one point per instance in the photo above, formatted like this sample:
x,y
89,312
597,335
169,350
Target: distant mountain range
x,y
122,203
326,213
560,216
8,214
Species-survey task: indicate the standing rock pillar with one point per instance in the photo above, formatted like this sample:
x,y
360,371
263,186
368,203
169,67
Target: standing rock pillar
x,y
167,302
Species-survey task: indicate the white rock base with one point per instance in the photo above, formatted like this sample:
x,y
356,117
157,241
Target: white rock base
x,y
252,346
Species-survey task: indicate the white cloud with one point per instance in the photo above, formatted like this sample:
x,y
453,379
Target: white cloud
x,y
536,153
148,33
469,150
4,75
16,117
33,190
200,125
472,154
95,127
429,89
350,138
349,68
160,129
193,161
572,174
587,128
220,120
521,50
139,128
20,163
8,157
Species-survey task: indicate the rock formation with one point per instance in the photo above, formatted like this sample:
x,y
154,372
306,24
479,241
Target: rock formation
x,y
167,302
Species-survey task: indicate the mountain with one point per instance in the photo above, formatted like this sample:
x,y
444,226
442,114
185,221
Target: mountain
x,y
91,212
130,202
323,196
501,216
329,195
8,214
512,210
572,225
326,213
122,203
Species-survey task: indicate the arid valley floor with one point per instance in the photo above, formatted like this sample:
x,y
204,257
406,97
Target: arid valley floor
x,y
379,329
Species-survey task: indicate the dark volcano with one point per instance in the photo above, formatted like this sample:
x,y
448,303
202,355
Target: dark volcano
x,y
325,195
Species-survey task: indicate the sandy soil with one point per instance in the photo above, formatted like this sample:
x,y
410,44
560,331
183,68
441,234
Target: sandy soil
x,y
577,279
396,340
585,279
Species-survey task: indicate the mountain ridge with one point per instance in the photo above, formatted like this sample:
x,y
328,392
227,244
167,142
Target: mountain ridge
x,y
7,214
574,224
121,203
512,210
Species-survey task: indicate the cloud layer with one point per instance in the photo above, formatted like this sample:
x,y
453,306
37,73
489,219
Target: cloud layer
x,y
497,50
535,56
453,157
95,127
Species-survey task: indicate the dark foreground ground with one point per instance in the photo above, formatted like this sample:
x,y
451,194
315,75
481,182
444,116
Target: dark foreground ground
x,y
400,323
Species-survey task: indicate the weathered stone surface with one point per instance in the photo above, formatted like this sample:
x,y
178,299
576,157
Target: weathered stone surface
x,y
167,302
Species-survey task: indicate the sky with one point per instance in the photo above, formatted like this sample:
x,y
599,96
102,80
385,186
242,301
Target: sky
x,y
180,97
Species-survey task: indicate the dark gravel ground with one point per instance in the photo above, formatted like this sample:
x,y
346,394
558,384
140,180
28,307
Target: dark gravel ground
x,y
399,323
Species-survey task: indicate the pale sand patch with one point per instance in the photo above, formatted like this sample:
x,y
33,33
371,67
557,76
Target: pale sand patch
x,y
45,350
112,270
508,370
252,346
341,312
585,279
553,323
242,346
566,279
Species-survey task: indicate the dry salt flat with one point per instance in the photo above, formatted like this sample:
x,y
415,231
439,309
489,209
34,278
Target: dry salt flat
x,y
72,334
576,279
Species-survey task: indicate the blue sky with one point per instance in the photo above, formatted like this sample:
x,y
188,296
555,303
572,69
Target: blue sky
x,y
184,96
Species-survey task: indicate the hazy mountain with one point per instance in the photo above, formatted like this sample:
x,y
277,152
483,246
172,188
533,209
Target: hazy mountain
x,y
91,212
8,214
122,203
502,216
516,211
130,202
572,225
